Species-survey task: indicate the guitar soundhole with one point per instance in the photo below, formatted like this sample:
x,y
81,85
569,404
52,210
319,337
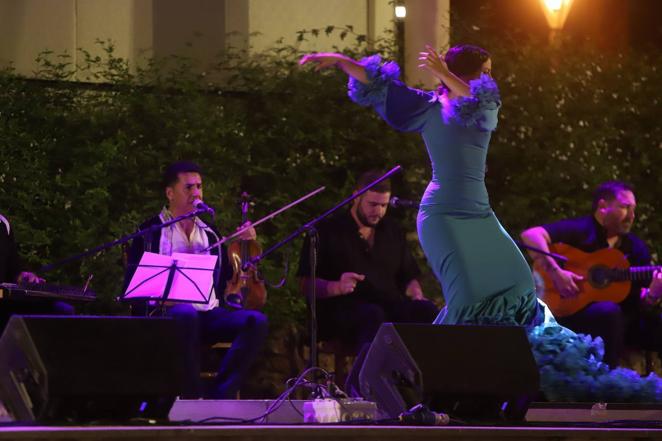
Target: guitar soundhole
x,y
599,276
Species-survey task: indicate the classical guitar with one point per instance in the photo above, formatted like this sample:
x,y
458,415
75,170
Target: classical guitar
x,y
607,277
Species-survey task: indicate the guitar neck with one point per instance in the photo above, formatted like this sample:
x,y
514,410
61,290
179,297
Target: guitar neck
x,y
635,273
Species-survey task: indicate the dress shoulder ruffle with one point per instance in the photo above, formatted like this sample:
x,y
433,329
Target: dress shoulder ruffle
x,y
479,110
379,77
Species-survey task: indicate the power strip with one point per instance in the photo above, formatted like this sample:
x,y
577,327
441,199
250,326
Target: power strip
x,y
335,411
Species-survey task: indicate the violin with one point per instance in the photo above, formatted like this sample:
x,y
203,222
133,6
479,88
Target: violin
x,y
246,289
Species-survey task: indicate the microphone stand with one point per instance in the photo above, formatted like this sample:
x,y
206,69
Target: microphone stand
x,y
310,229
121,240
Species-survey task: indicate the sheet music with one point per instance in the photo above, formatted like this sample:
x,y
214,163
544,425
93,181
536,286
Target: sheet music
x,y
192,280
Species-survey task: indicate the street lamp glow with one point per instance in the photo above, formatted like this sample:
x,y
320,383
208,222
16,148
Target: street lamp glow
x,y
553,5
556,12
400,11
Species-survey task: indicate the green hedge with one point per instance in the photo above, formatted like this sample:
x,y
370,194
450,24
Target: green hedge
x,y
80,162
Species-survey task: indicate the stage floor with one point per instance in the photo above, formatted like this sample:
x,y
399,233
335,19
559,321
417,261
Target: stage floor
x,y
324,432
572,422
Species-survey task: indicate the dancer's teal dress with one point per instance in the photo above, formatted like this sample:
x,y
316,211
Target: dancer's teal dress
x,y
485,278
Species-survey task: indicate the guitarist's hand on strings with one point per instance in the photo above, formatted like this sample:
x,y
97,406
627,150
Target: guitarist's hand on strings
x,y
565,282
654,292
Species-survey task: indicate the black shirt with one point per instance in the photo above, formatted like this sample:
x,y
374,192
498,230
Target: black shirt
x,y
9,260
586,234
388,266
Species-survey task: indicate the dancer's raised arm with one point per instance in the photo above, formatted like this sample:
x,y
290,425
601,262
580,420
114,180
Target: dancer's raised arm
x,y
433,62
324,60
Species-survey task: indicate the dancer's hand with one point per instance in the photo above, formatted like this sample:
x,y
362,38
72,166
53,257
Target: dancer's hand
x,y
323,60
432,61
565,282
346,284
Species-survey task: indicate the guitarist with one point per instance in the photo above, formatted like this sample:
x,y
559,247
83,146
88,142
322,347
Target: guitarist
x,y
633,321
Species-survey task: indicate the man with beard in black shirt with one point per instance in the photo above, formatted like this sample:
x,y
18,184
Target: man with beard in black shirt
x,y
366,274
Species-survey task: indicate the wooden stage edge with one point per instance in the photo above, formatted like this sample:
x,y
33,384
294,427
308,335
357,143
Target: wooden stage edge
x,y
323,432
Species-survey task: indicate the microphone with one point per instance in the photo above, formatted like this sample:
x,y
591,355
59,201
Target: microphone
x,y
421,415
396,202
199,205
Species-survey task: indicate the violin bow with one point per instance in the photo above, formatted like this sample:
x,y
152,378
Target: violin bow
x,y
270,216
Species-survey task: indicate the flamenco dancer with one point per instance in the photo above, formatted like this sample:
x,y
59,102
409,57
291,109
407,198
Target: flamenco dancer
x,y
484,277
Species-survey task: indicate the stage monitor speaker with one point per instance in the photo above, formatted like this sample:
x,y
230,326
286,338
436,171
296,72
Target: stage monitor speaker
x,y
64,368
478,372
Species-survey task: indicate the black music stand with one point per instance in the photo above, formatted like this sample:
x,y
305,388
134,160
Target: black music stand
x,y
181,277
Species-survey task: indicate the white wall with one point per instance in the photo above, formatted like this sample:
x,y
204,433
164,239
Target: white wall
x,y
28,27
427,22
283,18
128,23
142,28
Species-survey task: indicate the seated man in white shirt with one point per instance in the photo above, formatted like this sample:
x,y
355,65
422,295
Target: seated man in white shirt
x,y
214,321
